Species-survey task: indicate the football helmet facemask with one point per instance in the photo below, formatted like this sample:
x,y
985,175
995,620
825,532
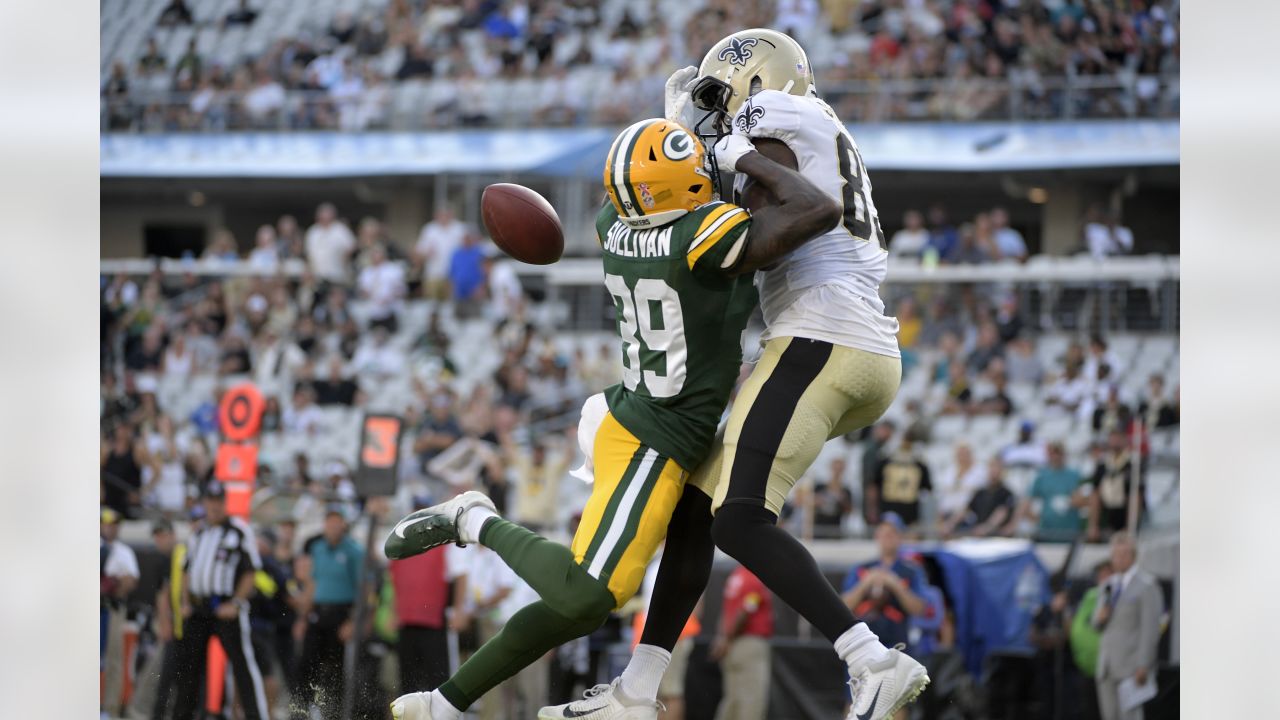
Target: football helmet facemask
x,y
657,171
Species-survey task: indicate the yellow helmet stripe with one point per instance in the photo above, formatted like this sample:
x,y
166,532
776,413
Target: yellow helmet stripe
x,y
728,220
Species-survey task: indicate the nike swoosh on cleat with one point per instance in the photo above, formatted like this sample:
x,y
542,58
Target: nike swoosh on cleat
x,y
871,710
404,524
571,713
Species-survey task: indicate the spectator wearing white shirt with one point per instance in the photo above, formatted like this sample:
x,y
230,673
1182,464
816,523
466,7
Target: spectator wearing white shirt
x,y
1098,356
1027,451
957,483
329,245
302,416
179,360
164,478
436,243
347,92
382,284
506,295
798,18
1009,242
1104,236
1072,393
265,254
378,358
264,102
1021,363
911,240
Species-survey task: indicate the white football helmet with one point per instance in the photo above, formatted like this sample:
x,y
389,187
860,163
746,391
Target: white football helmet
x,y
745,63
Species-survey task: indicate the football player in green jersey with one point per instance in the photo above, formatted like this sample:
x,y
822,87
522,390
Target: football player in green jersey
x,y
679,267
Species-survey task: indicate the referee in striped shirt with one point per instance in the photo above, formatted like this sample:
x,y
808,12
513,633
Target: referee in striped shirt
x,y
217,583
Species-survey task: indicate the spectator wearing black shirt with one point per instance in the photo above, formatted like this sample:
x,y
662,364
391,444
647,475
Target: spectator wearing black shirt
x,y
335,388
1155,409
988,348
148,355
151,60
990,509
174,14
873,452
898,482
122,459
189,66
832,502
959,393
1111,414
998,402
242,15
417,62
1112,482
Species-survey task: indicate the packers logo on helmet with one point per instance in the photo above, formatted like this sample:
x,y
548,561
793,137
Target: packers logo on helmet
x,y
655,172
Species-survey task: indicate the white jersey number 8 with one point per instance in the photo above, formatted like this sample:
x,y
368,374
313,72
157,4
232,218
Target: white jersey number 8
x,y
642,335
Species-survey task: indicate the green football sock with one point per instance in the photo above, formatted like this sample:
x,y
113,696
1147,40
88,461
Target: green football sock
x,y
549,568
573,604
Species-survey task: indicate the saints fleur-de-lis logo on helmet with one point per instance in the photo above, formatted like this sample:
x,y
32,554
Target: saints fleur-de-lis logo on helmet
x,y
738,51
748,116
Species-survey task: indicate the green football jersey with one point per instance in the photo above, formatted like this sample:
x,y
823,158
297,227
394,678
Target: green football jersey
x,y
680,317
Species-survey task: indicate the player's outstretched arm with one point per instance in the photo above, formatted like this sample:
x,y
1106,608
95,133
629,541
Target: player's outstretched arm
x,y
801,210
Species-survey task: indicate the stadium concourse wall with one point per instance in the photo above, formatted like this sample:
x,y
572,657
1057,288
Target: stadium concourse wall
x,y
1046,173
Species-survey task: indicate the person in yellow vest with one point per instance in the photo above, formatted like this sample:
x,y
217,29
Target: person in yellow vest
x,y
168,631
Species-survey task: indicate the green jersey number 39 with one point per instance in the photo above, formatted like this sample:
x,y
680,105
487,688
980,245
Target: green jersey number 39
x,y
652,329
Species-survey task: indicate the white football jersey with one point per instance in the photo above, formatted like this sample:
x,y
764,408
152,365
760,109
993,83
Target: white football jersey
x,y
829,288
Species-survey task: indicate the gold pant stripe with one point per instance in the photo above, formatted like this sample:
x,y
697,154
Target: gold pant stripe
x,y
853,389
621,538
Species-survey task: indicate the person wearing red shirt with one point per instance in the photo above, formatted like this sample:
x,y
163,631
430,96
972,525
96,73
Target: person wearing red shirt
x,y
742,647
422,594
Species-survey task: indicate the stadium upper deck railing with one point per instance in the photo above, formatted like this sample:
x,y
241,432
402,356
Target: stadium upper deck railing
x,y
1070,293
586,271
433,104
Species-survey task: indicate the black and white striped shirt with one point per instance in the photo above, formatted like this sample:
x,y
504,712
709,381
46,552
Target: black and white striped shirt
x,y
218,556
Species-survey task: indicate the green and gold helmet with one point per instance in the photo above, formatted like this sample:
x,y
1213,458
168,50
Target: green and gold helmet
x,y
745,63
655,172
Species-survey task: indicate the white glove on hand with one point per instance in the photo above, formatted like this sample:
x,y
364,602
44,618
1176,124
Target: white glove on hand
x,y
677,94
730,149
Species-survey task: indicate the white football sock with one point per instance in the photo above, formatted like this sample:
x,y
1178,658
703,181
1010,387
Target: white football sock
x,y
472,522
858,646
643,674
442,709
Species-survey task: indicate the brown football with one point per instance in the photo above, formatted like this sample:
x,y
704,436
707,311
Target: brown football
x,y
522,223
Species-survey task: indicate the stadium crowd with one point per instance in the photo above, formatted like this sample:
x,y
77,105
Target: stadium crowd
x,y
350,334
413,64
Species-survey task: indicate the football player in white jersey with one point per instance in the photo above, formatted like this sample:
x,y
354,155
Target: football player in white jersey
x,y
830,365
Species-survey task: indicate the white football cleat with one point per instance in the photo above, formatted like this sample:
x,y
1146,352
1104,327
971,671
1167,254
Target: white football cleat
x,y
603,702
417,706
883,688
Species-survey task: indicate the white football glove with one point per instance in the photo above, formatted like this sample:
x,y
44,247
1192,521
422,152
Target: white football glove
x,y
730,149
677,94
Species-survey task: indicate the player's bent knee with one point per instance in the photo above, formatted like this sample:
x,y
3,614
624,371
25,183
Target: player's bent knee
x,y
586,600
736,524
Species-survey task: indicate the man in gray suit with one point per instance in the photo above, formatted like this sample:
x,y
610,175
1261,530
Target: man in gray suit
x,y
1128,613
